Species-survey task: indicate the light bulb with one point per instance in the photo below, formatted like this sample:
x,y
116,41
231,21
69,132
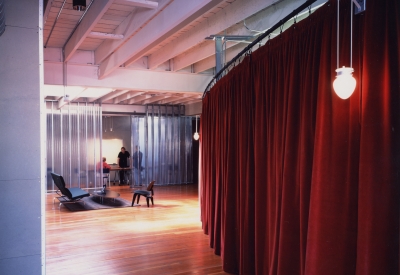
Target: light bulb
x,y
344,83
196,136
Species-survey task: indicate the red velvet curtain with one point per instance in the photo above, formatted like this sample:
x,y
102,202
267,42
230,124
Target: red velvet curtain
x,y
296,180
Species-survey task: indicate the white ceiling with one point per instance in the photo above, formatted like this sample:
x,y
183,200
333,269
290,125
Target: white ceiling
x,y
140,52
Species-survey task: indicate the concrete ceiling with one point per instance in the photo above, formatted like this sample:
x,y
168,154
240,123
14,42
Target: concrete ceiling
x,y
138,52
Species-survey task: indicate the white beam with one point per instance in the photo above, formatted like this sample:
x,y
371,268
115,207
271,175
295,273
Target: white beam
x,y
195,54
112,95
154,99
173,18
185,99
71,97
126,96
103,35
209,62
131,25
236,12
139,3
170,99
93,15
126,79
138,99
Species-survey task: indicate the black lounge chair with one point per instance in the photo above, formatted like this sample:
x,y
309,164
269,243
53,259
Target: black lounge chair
x,y
146,193
67,195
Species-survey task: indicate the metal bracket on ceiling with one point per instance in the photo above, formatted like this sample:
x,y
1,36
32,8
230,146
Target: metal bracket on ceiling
x,y
360,6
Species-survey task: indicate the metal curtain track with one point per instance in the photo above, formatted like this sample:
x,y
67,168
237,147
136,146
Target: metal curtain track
x,y
306,4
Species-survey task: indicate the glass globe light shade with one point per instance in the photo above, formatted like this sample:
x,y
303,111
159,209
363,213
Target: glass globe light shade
x,y
196,136
344,83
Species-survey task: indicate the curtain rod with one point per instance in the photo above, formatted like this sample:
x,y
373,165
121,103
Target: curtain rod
x,y
255,42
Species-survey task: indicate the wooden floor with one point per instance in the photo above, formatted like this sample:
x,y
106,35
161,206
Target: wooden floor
x,y
163,239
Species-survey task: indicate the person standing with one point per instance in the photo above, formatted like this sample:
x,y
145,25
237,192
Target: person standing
x,y
123,162
137,165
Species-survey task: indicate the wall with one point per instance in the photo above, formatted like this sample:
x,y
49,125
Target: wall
x,y
118,137
20,158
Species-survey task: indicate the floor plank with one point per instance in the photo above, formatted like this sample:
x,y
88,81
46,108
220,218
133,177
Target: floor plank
x,y
163,239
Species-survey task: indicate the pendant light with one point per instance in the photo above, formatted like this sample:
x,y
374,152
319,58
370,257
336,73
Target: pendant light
x,y
79,5
196,135
344,84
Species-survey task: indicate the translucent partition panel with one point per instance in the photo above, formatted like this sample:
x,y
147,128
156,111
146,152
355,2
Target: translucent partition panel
x,y
73,145
139,140
164,137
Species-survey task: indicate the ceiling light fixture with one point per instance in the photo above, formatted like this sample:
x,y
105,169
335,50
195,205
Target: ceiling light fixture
x,y
196,135
345,84
79,5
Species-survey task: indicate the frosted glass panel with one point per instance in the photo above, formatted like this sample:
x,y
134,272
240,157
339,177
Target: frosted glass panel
x,y
73,145
164,137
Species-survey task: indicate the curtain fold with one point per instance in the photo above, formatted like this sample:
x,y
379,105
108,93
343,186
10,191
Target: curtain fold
x,y
295,180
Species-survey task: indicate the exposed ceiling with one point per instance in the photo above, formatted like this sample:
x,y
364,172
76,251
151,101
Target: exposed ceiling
x,y
138,52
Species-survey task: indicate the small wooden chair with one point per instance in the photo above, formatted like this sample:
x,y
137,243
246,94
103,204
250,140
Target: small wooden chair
x,y
146,193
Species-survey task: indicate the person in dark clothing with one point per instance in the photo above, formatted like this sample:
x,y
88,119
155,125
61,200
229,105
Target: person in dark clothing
x,y
137,165
123,162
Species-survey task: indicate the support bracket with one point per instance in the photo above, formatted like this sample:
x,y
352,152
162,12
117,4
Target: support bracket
x,y
360,6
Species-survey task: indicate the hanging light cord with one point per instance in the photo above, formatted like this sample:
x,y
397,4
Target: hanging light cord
x,y
337,37
351,34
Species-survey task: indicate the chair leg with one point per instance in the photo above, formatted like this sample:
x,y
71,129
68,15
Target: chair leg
x,y
138,198
152,202
134,197
147,200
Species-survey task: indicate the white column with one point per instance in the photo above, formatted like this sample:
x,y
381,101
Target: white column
x,y
21,216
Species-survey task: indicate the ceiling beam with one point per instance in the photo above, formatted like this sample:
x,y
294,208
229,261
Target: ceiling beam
x,y
170,99
92,17
260,21
173,18
103,35
209,62
226,17
111,95
139,3
154,99
185,99
127,96
131,25
237,11
138,99
125,79
71,96
195,54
